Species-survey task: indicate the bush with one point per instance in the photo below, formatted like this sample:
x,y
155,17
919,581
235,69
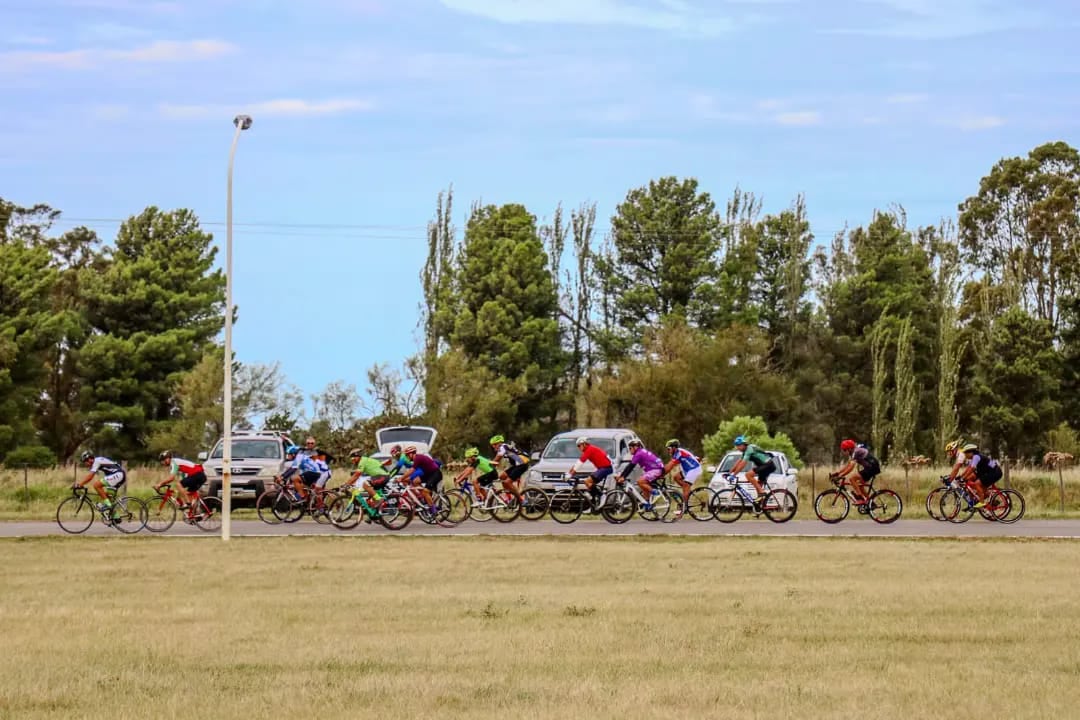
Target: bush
x,y
35,456
755,429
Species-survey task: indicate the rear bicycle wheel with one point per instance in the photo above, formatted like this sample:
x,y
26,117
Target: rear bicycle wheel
x,y
208,513
509,507
1017,507
997,506
884,507
534,504
701,504
320,509
567,506
75,515
128,515
831,506
395,512
780,505
728,505
954,506
619,507
674,499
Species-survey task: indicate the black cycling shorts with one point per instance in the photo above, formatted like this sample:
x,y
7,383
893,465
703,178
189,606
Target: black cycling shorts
x,y
432,481
379,481
487,479
517,471
194,481
870,472
310,478
992,477
764,470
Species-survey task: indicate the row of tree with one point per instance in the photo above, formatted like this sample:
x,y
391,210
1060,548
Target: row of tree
x,y
678,318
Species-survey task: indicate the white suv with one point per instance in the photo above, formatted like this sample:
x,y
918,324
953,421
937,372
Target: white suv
x,y
258,456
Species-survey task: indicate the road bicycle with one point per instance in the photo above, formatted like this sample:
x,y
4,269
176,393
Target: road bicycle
x,y
958,503
778,505
281,502
445,509
664,503
391,510
203,512
497,503
614,504
833,505
76,514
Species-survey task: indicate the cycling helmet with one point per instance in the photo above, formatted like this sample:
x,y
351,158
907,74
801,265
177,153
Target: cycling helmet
x,y
673,443
970,447
165,455
582,441
356,452
292,449
954,445
847,446
395,450
741,440
496,439
87,455
635,442
471,453
410,449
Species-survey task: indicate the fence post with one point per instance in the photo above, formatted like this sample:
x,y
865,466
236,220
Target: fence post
x,y
26,485
1008,485
813,481
1061,487
907,482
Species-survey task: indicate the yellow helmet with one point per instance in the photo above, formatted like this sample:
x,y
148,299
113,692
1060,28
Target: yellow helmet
x,y
954,445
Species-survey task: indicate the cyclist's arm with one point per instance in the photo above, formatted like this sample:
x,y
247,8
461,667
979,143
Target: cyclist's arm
x,y
627,469
462,475
86,481
956,470
843,472
737,467
166,481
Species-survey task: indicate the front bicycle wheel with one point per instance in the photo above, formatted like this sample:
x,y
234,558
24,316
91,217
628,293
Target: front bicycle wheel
x,y
618,508
780,505
954,506
831,506
1017,507
271,506
728,505
534,504
508,507
933,503
457,508
567,506
128,515
701,504
320,508
208,514
160,514
884,507
345,513
395,512
75,515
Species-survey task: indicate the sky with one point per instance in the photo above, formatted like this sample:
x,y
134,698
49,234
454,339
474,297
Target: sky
x,y
365,109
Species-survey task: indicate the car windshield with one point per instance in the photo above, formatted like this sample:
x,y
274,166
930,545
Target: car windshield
x,y
729,462
404,436
565,448
262,449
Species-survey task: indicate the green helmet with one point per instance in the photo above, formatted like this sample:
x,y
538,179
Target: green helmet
x,y
471,453
497,439
672,443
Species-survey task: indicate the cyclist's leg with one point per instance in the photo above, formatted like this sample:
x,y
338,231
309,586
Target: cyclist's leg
x,y
517,478
858,484
100,488
751,475
687,480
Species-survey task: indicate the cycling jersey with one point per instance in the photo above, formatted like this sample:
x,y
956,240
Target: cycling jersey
x,y
596,456
986,468
648,462
686,460
483,465
182,468
423,466
301,464
324,473
756,456
370,467
510,453
111,471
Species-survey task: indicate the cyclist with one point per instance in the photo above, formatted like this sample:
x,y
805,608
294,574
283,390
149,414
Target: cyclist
x,y
652,469
952,453
322,462
191,475
309,448
486,472
111,472
600,461
370,476
302,471
762,463
397,462
518,460
688,463
869,468
981,468
426,472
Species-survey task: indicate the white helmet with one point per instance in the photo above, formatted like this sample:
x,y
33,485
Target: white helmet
x,y
582,441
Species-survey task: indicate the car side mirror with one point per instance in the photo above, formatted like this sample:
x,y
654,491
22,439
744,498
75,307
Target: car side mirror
x,y
203,455
535,457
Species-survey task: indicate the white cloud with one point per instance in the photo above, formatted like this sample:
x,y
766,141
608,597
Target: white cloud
x,y
281,107
162,51
655,14
943,19
907,98
976,122
802,118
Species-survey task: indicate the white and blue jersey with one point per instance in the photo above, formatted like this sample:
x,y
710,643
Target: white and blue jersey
x,y
686,460
301,464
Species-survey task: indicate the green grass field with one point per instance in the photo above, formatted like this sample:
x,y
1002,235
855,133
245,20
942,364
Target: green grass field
x,y
539,628
46,488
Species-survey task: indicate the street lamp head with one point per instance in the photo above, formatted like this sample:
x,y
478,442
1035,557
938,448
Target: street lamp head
x,y
242,121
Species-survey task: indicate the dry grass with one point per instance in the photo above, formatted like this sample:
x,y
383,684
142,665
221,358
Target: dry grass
x,y
543,628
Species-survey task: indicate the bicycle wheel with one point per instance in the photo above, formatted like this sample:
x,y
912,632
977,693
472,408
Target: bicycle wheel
x,y
534,504
160,514
271,506
1017,507
997,506
75,515
567,506
320,512
831,506
954,506
478,509
345,513
933,503
674,499
457,508
128,515
701,504
618,507
780,505
728,505
649,511
395,512
884,507
208,514
508,508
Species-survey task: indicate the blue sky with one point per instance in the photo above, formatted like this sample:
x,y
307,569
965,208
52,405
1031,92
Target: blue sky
x,y
365,109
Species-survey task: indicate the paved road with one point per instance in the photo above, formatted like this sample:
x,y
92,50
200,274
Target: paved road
x,y
795,528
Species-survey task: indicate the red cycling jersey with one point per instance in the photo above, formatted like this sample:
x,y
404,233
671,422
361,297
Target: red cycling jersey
x,y
596,456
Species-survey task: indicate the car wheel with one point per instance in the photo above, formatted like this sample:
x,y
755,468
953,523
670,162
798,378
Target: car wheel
x,y
214,490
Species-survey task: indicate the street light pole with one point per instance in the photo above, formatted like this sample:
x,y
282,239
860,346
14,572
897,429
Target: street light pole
x,y
242,122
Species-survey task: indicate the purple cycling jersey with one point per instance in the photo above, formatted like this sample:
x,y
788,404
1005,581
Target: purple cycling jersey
x,y
424,465
647,461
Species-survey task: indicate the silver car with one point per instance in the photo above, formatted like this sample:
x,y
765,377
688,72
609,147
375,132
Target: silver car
x,y
550,466
257,457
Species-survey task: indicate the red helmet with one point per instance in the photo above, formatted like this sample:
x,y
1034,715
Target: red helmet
x,y
847,446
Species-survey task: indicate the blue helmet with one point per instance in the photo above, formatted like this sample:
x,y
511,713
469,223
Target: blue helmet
x,y
741,440
292,449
